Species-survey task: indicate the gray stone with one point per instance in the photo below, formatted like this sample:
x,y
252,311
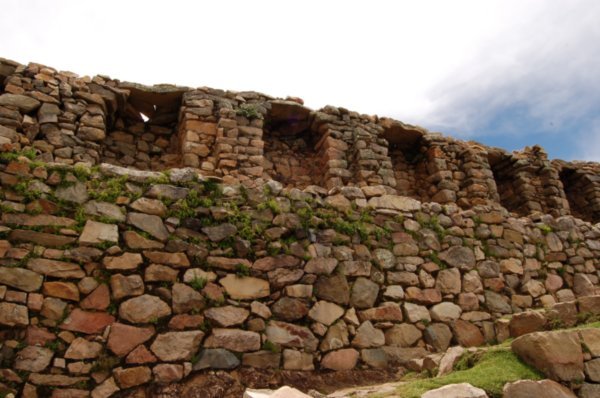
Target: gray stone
x,y
76,193
216,358
24,103
150,224
364,293
462,390
459,257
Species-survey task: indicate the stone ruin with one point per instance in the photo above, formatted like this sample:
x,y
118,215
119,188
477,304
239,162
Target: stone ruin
x,y
149,235
250,137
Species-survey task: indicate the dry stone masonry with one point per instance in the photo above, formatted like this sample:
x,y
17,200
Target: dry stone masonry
x,y
150,233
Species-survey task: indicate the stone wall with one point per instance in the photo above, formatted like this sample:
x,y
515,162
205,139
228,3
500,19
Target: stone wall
x,y
113,278
293,239
249,138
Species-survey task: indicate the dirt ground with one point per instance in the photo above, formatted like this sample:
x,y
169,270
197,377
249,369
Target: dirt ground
x,y
220,384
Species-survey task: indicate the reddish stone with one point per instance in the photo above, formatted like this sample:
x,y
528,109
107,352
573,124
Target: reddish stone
x,y
526,322
494,284
340,360
38,336
140,355
87,322
124,338
184,321
467,334
387,312
63,290
213,292
423,296
99,299
131,377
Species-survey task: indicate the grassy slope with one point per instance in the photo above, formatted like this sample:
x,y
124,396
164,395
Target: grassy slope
x,y
494,368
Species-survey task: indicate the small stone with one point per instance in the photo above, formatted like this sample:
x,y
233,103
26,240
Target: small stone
x,y
462,390
220,232
245,288
131,377
80,348
150,224
96,232
33,359
87,322
227,316
124,338
216,358
297,360
144,309
166,373
325,312
124,262
344,359
177,346
233,339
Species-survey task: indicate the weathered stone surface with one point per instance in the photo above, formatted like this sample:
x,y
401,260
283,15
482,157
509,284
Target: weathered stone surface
x,y
326,312
262,359
80,348
448,281
402,335
124,338
590,337
393,202
87,322
227,316
496,303
150,224
467,334
364,293
589,390
99,299
144,309
96,232
321,265
368,336
186,299
166,373
125,286
149,206
245,288
64,290
289,309
459,257
556,354
344,359
40,238
133,240
220,232
533,388
104,209
438,335
290,335
445,312
386,312
216,358
76,193
131,377
176,260
526,322
334,288
462,390
33,359
415,313
233,339
107,388
55,380
177,346
297,360
55,268
24,103
124,262
336,337
592,370
21,279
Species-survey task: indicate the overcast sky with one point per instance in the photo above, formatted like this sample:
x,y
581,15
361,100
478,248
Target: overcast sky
x,y
507,73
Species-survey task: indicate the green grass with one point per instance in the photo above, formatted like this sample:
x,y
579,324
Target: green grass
x,y
490,372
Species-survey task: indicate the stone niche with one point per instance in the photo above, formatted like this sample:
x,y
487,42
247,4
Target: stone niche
x,y
408,154
143,133
289,145
582,188
508,185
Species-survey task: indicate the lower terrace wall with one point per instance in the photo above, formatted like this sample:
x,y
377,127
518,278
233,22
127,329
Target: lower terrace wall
x,y
113,278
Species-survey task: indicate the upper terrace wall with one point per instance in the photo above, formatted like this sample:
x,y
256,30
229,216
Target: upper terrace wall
x,y
250,137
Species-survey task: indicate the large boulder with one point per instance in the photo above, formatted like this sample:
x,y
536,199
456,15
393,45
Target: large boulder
x,y
556,354
531,388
